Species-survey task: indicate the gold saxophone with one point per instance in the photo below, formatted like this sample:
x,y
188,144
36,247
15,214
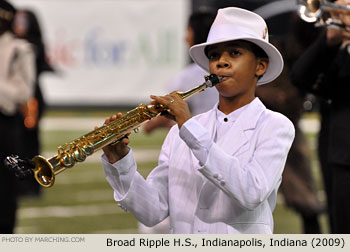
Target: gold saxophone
x,y
78,150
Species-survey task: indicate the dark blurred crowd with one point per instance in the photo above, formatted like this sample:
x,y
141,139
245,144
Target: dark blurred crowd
x,y
21,103
315,63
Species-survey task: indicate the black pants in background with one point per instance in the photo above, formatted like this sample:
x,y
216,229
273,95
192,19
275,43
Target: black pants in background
x,y
9,144
340,199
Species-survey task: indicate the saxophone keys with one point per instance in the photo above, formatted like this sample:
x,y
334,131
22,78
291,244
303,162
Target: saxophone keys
x,y
79,155
89,149
67,160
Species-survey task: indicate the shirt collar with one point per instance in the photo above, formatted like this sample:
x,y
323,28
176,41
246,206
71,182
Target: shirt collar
x,y
232,117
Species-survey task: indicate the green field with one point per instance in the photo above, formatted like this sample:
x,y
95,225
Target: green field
x,y
81,200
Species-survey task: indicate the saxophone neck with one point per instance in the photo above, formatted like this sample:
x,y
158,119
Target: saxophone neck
x,y
189,93
210,81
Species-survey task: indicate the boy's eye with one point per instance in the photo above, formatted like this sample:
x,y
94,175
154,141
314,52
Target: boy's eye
x,y
213,55
235,52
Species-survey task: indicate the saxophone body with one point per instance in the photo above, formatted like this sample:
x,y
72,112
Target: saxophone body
x,y
79,149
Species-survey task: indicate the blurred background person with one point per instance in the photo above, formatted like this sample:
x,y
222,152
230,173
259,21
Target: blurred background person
x,y
17,74
323,69
198,27
298,185
26,26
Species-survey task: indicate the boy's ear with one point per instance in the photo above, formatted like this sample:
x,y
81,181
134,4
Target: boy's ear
x,y
261,67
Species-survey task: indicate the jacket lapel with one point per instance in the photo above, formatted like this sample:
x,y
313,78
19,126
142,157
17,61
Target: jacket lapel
x,y
236,139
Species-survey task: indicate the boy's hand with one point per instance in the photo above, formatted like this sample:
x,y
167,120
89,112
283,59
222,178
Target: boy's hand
x,y
178,109
115,152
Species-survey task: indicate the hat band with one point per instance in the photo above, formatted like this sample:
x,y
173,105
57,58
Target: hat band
x,y
226,32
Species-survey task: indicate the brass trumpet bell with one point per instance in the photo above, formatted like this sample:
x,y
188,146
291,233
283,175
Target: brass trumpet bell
x,y
319,11
309,10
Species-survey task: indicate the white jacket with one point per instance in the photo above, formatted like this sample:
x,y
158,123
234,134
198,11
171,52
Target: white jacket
x,y
234,192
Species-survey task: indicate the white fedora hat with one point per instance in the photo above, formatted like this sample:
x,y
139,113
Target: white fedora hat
x,y
238,24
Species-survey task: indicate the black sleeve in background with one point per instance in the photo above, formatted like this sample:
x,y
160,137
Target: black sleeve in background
x,y
311,64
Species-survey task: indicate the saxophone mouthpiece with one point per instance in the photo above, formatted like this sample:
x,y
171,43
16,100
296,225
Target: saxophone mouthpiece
x,y
212,80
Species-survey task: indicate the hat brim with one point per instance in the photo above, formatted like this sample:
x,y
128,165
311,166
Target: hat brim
x,y
197,52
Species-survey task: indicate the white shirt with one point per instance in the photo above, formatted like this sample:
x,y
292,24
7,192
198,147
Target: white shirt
x,y
223,124
234,191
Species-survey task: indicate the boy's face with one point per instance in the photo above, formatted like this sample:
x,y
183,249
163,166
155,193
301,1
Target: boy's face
x,y
235,61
